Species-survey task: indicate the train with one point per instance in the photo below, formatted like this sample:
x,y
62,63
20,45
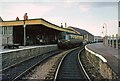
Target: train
x,y
69,40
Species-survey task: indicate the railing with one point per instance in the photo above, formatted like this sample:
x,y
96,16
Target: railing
x,y
112,41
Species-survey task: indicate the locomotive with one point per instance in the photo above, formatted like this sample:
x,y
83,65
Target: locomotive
x,y
69,40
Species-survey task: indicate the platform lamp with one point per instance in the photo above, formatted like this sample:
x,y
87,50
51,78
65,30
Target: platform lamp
x,y
105,37
24,26
105,26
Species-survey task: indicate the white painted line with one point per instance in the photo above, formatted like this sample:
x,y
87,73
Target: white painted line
x,y
98,55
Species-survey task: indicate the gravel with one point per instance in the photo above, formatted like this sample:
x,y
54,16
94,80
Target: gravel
x,y
42,70
91,70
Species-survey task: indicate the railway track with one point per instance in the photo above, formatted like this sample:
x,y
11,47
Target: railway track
x,y
70,68
16,71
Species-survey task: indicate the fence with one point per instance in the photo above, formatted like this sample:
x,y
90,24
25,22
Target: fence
x,y
112,41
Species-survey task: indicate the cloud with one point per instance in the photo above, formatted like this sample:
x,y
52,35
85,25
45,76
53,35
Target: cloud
x,y
33,10
57,20
112,27
69,2
92,0
59,0
85,7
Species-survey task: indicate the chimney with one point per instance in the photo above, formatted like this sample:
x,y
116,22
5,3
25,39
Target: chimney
x,y
1,19
65,25
61,25
17,19
25,16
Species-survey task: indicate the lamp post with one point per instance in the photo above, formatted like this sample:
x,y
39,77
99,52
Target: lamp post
x,y
24,27
105,26
105,36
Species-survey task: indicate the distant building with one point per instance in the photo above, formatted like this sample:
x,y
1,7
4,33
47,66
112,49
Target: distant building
x,y
88,37
98,39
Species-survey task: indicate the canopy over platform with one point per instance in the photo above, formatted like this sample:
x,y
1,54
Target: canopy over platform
x,y
34,22
31,32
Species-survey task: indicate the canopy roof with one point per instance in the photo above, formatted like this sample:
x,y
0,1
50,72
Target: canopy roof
x,y
34,22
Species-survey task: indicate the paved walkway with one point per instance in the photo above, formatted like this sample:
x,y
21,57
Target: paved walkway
x,y
112,55
22,48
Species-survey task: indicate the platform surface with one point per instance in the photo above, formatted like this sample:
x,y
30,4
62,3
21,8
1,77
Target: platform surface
x,y
112,55
2,50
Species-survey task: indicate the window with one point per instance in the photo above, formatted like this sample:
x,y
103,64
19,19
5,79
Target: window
x,y
7,30
0,30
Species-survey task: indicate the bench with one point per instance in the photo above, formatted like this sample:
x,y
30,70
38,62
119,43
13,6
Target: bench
x,y
9,46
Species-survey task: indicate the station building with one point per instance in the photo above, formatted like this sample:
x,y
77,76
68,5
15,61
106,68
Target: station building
x,y
98,39
29,32
87,37
35,32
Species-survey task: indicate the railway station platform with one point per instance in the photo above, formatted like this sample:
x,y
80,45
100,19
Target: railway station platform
x,y
13,56
109,55
2,50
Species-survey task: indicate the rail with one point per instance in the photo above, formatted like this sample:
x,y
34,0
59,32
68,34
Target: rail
x,y
82,65
56,74
17,70
62,63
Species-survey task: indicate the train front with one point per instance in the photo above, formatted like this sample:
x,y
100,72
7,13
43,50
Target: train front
x,y
63,40
69,40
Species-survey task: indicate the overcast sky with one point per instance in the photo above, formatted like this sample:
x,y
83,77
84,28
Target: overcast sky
x,y
90,15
